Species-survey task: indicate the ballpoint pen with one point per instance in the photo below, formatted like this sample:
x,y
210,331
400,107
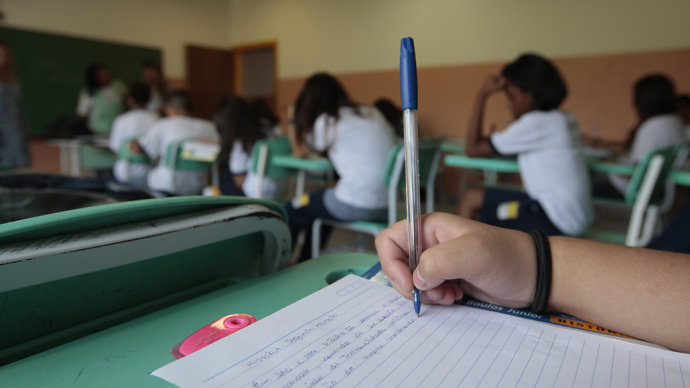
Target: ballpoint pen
x,y
408,96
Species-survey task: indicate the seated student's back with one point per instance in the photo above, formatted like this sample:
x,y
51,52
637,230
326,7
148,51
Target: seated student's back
x,y
177,127
240,128
660,125
131,126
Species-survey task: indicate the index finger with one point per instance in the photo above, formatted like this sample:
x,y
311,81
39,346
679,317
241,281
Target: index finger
x,y
391,245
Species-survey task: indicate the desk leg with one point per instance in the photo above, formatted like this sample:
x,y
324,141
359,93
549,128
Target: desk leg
x,y
490,178
75,168
299,189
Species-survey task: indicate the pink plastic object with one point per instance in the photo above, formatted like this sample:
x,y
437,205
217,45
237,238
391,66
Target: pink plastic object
x,y
212,333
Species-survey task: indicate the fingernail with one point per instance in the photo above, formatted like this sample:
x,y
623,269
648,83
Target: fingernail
x,y
420,280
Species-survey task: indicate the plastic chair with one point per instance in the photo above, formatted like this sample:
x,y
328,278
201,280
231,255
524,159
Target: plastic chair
x,y
175,159
645,195
125,154
262,154
394,177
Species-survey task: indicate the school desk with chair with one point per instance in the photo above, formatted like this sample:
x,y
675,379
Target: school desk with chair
x,y
99,296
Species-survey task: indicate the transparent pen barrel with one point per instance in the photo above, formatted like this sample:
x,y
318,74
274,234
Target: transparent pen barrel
x,y
412,186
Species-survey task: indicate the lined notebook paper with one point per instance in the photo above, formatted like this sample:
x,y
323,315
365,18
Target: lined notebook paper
x,y
359,333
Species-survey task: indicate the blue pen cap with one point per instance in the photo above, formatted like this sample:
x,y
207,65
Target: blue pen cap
x,y
408,74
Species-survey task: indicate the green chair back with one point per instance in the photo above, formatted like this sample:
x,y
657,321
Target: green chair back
x,y
275,147
669,154
428,151
173,159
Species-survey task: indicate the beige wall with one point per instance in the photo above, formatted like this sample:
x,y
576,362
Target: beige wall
x,y
364,35
167,24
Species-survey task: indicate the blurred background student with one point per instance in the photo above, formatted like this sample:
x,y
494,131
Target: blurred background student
x,y
14,149
548,146
127,129
101,100
659,125
683,102
270,123
239,129
357,140
393,114
152,76
177,126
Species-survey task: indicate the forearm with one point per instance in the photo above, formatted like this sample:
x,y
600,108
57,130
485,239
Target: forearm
x,y
631,290
475,143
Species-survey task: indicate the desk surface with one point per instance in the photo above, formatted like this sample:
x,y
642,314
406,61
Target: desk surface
x,y
289,161
124,355
680,177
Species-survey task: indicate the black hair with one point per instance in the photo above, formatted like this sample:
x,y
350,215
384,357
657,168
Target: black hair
x,y
153,64
322,93
539,77
263,112
654,95
235,121
140,93
92,77
179,99
392,113
683,100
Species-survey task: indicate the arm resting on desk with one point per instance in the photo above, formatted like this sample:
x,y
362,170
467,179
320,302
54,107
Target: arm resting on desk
x,y
639,292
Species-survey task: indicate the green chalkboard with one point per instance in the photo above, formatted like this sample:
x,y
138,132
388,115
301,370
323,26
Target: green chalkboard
x,y
51,70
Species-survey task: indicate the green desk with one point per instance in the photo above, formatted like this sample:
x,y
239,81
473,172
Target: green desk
x,y
124,355
456,146
611,167
302,165
681,177
492,164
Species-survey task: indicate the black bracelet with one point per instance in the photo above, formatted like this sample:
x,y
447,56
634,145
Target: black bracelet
x,y
543,288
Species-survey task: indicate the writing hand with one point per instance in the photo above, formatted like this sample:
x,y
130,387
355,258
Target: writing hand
x,y
461,256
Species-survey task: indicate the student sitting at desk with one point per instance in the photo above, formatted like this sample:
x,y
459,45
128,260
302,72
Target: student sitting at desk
x,y
357,140
635,291
660,126
130,126
239,130
548,146
176,127
101,100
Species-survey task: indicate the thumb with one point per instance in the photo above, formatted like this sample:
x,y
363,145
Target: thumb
x,y
454,259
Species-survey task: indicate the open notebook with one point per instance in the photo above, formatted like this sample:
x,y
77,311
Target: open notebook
x,y
359,333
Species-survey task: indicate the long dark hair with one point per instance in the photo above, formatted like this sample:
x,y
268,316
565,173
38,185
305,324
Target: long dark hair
x,y
7,73
654,95
235,121
92,83
322,93
537,75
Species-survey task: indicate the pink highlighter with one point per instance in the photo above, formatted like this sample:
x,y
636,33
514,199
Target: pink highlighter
x,y
211,333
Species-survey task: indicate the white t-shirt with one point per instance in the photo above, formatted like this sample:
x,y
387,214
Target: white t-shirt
x,y
552,166
240,162
358,147
655,132
156,141
132,124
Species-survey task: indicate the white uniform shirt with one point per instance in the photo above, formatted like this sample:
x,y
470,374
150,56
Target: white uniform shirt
x,y
156,141
132,124
655,132
240,162
358,147
552,166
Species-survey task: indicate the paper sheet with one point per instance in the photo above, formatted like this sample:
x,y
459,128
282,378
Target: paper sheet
x,y
358,333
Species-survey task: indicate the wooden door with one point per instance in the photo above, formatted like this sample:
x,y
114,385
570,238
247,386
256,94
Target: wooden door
x,y
210,76
256,72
